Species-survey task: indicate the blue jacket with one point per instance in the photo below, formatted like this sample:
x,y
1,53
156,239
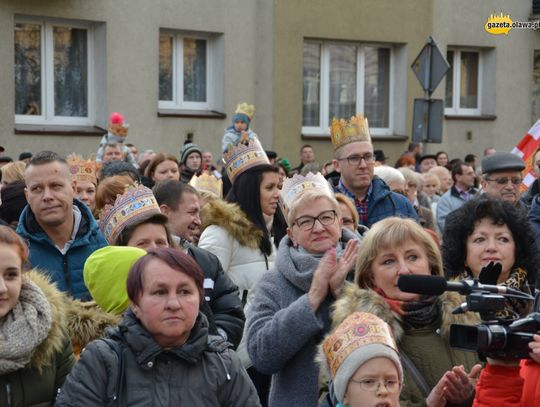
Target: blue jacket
x,y
65,270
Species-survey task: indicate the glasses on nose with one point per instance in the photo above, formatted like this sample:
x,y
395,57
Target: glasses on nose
x,y
325,218
356,159
504,180
392,386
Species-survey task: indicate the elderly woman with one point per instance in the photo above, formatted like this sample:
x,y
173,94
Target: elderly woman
x,y
434,372
160,354
35,352
413,192
291,310
488,230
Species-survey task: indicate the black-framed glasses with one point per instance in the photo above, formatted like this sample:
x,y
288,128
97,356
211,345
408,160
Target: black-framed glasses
x,y
373,385
307,222
356,159
504,180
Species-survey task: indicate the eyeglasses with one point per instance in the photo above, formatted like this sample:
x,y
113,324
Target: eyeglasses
x,y
392,386
504,180
325,218
356,159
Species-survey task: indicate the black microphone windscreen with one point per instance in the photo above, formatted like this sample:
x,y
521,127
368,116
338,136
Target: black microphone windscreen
x,y
427,285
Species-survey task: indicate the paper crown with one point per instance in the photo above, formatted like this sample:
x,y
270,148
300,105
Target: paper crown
x,y
117,125
357,330
128,209
83,170
207,183
344,132
294,187
245,109
243,156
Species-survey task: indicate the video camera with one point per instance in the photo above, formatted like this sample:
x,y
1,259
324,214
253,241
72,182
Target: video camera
x,y
497,338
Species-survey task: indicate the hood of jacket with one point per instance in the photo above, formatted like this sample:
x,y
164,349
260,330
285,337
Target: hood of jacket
x,y
230,217
55,341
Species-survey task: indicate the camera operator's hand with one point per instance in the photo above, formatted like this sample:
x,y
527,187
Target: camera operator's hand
x,y
535,348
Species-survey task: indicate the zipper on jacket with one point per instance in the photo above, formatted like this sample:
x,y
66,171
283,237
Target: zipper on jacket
x,y
66,275
8,394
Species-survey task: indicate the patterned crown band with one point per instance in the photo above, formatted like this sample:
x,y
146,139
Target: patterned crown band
x,y
207,183
83,170
127,210
243,156
344,132
294,187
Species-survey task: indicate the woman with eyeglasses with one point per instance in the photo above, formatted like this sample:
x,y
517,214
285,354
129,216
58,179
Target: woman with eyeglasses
x,y
290,312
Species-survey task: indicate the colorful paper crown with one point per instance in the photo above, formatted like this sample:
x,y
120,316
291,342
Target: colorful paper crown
x,y
357,330
128,209
207,183
294,187
243,156
117,125
344,132
83,170
245,109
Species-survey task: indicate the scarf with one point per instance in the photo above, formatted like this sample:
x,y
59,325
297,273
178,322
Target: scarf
x,y
24,328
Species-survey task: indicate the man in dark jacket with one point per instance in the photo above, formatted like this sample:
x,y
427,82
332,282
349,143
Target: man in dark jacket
x,y
223,307
60,230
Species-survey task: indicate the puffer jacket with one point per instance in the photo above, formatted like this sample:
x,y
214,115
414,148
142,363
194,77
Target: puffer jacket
x,y
64,270
200,373
36,384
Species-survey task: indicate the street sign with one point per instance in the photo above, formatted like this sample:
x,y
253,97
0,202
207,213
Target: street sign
x,y
427,120
430,66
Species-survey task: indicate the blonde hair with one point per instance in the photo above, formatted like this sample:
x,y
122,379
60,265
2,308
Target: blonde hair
x,y
430,177
309,197
12,172
390,233
342,199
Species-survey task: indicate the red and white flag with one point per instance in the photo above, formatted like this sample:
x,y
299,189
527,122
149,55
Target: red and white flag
x,y
525,149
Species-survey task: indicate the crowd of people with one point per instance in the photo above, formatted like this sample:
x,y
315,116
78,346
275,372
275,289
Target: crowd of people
x,y
146,278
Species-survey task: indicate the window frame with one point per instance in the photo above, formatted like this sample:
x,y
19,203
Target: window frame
x,y
177,102
47,73
324,121
455,110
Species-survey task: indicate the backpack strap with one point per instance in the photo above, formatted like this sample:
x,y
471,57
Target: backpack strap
x,y
415,374
119,396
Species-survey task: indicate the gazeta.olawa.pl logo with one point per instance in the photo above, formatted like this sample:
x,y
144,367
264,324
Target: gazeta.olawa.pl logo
x,y
498,24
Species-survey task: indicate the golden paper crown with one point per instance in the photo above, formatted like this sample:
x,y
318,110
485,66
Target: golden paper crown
x,y
344,132
294,187
243,156
136,203
207,183
82,170
244,108
357,330
117,125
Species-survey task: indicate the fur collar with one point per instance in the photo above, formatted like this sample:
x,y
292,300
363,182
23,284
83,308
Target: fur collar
x,y
230,217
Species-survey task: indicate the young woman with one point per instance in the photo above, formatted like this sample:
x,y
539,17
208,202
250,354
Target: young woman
x,y
162,167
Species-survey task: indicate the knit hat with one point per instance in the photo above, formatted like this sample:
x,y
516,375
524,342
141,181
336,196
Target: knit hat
x,y
105,274
359,338
112,168
187,149
244,113
12,201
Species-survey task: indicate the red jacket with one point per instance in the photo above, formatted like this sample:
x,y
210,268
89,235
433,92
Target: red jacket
x,y
509,386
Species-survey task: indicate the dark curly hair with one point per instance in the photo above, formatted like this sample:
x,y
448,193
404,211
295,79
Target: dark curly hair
x,y
460,225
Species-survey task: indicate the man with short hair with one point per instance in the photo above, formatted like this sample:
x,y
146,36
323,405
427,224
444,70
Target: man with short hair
x,y
112,152
528,196
307,155
463,190
223,307
60,230
354,159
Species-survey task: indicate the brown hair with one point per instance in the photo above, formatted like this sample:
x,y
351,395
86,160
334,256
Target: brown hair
x,y
154,162
9,237
110,188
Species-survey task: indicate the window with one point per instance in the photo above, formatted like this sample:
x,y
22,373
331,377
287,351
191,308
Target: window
x,y
187,71
53,72
536,87
342,79
463,82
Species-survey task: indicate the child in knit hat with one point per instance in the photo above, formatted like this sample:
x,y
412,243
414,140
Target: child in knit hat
x,y
240,128
363,361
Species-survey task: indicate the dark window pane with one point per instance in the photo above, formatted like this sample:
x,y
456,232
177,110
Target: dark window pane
x,y
165,67
449,100
194,70
377,86
468,91
28,69
70,71
342,81
536,87
312,85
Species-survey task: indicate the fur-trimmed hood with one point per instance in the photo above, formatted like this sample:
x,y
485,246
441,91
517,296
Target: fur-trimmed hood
x,y
230,217
55,341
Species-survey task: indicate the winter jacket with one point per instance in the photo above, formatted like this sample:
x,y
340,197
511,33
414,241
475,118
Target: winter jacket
x,y
449,202
65,270
232,136
534,219
283,331
531,193
37,383
384,203
509,386
201,372
427,347
223,306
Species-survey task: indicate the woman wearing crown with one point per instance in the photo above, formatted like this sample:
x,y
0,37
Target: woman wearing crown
x,y
291,307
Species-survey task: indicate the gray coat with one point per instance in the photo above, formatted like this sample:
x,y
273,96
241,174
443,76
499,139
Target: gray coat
x,y
198,373
282,330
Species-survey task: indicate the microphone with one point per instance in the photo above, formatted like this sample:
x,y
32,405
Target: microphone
x,y
436,285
